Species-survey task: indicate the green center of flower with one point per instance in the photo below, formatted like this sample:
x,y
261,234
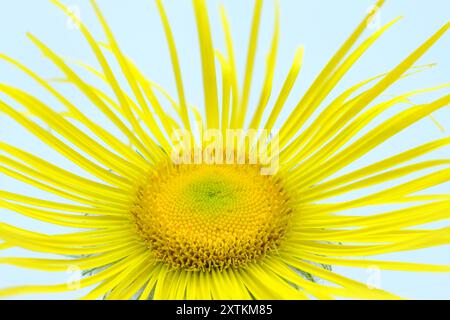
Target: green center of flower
x,y
205,217
211,195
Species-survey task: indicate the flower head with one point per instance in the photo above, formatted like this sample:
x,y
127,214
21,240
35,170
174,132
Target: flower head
x,y
216,203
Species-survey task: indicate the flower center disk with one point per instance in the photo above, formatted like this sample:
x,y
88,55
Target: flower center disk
x,y
211,217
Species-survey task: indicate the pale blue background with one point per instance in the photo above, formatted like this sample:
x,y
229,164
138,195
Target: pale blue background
x,y
321,26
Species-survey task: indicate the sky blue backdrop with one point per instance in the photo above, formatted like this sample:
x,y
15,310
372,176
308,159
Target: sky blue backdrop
x,y
321,26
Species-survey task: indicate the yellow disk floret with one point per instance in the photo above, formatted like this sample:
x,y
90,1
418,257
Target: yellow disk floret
x,y
204,217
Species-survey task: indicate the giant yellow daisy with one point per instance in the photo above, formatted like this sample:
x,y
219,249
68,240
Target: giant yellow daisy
x,y
149,227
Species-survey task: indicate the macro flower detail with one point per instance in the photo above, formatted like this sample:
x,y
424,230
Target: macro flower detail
x,y
180,202
212,217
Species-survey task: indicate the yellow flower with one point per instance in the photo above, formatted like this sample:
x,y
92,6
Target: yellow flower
x,y
172,213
